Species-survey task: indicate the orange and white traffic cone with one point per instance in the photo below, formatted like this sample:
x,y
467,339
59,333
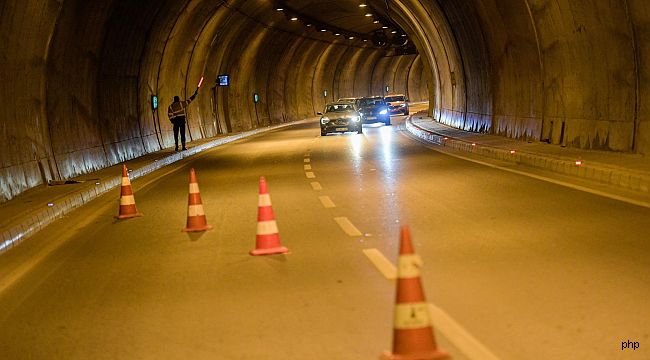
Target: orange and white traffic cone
x,y
127,201
195,215
413,337
268,238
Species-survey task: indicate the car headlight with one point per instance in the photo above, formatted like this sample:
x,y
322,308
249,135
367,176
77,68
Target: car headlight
x,y
383,112
402,105
324,120
354,118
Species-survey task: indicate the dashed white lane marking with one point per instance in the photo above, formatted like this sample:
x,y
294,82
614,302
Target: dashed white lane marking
x,y
307,160
327,202
310,175
347,226
458,336
316,186
381,263
307,167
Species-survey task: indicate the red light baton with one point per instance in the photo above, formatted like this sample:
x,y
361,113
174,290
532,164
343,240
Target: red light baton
x,y
200,81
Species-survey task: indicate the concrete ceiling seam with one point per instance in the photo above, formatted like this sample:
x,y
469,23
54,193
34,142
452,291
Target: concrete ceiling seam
x,y
541,70
637,78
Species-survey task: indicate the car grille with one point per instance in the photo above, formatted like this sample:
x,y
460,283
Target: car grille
x,y
339,122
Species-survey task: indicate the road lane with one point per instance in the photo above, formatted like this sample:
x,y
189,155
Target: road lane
x,y
530,269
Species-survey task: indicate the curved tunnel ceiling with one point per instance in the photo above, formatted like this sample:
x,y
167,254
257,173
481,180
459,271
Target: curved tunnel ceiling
x,y
79,76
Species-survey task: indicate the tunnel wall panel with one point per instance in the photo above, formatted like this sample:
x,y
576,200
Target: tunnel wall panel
x,y
639,17
324,76
587,98
72,87
363,73
304,78
26,28
418,88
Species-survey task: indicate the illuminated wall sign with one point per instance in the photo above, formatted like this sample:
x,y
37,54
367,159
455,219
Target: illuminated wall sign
x,y
223,80
256,98
324,93
154,102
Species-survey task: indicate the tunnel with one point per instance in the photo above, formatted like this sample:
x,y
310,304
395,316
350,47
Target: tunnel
x,y
86,84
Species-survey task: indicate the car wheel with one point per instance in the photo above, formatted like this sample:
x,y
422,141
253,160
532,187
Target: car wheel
x,y
387,122
406,112
360,130
323,133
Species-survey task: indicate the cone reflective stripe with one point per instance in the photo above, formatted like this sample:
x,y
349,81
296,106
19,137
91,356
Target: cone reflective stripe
x,y
413,337
268,238
127,200
196,220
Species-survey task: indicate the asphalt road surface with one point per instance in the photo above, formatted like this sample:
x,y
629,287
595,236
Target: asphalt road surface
x,y
531,269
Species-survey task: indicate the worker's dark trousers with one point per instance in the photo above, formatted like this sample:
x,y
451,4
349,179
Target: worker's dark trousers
x,y
179,125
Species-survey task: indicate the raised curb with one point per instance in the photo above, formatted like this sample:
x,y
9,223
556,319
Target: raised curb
x,y
40,220
606,174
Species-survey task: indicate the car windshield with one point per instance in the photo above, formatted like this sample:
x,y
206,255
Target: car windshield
x,y
394,98
371,102
339,108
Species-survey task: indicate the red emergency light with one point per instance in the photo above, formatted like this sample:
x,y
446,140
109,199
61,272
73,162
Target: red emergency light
x,y
200,82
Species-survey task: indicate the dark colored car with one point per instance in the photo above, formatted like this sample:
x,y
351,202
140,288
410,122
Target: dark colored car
x,y
397,103
340,117
374,109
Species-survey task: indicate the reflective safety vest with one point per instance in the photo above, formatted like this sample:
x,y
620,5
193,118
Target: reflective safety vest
x,y
177,109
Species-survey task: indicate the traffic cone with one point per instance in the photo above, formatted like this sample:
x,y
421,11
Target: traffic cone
x,y
413,337
127,201
195,215
268,238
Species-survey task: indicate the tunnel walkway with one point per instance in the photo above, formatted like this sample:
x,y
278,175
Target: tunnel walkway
x,y
33,210
626,173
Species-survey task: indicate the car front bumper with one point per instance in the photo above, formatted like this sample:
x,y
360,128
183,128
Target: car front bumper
x,y
340,126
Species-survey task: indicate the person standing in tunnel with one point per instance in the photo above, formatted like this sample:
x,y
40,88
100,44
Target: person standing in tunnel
x,y
177,115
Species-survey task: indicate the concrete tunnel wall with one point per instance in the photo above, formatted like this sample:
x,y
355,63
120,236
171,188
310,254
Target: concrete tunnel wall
x,y
78,76
570,72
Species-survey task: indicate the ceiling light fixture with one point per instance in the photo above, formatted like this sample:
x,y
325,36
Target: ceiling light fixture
x,y
294,19
368,15
362,5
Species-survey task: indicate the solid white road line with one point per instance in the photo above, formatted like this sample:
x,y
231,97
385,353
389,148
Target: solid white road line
x,y
327,202
310,175
458,336
625,199
442,322
381,263
316,186
307,167
347,226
